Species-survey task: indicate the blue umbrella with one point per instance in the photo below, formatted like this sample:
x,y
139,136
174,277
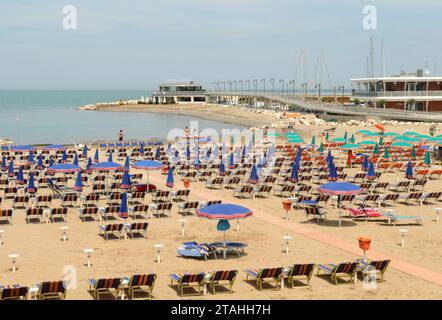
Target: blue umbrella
x,y
75,160
294,176
64,168
31,158
85,151
231,161
110,158
329,157
157,154
222,168
170,181
127,163
148,165
371,174
22,148
64,157
188,152
79,182
142,148
125,183
96,156
107,166
409,171
365,163
332,173
51,162
89,165
40,162
123,212
254,178
31,186
20,179
4,165
11,168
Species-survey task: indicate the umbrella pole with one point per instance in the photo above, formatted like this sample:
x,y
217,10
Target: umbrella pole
x,y
225,246
339,209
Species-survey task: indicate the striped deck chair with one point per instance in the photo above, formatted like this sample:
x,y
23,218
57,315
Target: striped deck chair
x,y
34,213
243,192
209,203
431,197
269,180
223,278
110,211
59,213
6,215
283,191
367,267
90,201
204,175
303,271
188,207
104,286
232,182
265,276
43,201
20,202
400,186
358,177
160,196
98,188
138,228
88,212
141,284
115,229
216,183
408,198
363,199
180,195
385,199
51,290
43,183
261,191
435,174
137,198
188,281
114,199
318,214
164,208
380,187
69,200
348,269
139,210
418,185
15,292
320,178
300,201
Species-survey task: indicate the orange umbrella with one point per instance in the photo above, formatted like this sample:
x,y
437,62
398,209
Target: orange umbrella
x,y
380,126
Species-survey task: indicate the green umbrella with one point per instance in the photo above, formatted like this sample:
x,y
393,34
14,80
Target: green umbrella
x,y
434,139
376,149
313,141
364,132
273,134
386,154
391,134
352,139
427,160
407,139
423,137
372,134
339,140
367,142
381,141
349,146
327,137
321,148
410,133
345,135
295,140
413,152
401,144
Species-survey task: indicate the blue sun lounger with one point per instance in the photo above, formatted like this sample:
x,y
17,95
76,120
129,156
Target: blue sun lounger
x,y
232,247
392,218
195,250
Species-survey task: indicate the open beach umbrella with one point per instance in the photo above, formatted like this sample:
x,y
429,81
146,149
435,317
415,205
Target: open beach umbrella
x,y
371,174
339,140
125,182
127,163
170,180
96,156
365,163
338,189
11,169
79,182
107,166
75,161
148,165
22,148
349,146
123,212
4,166
31,158
110,158
40,165
294,175
409,170
54,147
391,134
427,159
224,211
254,178
31,184
20,179
364,132
64,168
367,143
401,144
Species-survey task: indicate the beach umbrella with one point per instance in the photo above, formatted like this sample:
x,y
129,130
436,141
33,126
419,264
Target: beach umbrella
x,y
31,184
4,166
89,165
148,165
349,146
85,151
40,162
413,152
367,143
376,149
338,189
22,148
329,157
51,162
427,159
295,140
294,176
372,134
125,182
123,212
188,152
224,211
107,166
142,148
409,170
11,168
327,136
365,163
20,179
54,147
78,182
332,173
313,140
391,134
371,174
170,181
64,157
386,154
31,158
339,140
96,156
158,153
64,168
222,168
75,160
254,178
401,144
321,148
346,135
127,163
364,132
110,158
231,161
381,141
352,139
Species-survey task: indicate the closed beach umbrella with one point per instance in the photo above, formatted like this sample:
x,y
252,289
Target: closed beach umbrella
x,y
158,154
51,162
64,157
75,160
254,178
31,184
313,140
85,151
4,166
96,156
31,158
89,165
381,141
371,174
409,170
127,163
352,139
332,173
20,179
365,163
170,180
197,161
413,152
329,157
321,148
231,161
327,136
11,168
427,159
125,183
222,168
294,176
123,212
79,182
223,225
376,149
345,135
110,158
142,148
188,152
40,162
386,154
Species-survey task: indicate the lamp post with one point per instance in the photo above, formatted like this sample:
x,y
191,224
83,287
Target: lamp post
x,y
343,92
318,86
263,81
282,82
230,85
248,85
224,84
241,82
304,85
292,82
272,80
235,82
255,85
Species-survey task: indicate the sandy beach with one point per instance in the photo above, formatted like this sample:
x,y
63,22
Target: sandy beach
x,y
42,256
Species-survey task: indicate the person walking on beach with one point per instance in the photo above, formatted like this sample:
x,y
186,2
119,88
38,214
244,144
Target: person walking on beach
x,y
121,135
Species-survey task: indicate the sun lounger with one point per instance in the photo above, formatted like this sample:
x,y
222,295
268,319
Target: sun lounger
x,y
15,292
367,267
195,250
188,281
180,195
243,192
6,215
393,219
69,200
141,284
114,229
316,212
261,191
51,290
303,271
20,202
137,228
139,210
188,207
431,197
104,286
88,212
230,247
137,198
414,196
265,276
34,213
223,278
336,271
158,209
59,213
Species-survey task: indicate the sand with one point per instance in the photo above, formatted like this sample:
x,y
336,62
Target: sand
x,y
43,256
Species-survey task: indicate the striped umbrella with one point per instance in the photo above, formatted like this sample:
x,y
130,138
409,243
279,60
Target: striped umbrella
x,y
254,178
125,183
79,182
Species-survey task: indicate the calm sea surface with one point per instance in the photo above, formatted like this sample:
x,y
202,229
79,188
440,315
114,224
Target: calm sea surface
x,y
43,117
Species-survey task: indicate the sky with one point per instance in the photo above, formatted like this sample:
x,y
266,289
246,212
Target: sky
x,y
137,44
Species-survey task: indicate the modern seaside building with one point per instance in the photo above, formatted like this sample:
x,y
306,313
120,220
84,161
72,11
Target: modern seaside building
x,y
180,92
416,91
